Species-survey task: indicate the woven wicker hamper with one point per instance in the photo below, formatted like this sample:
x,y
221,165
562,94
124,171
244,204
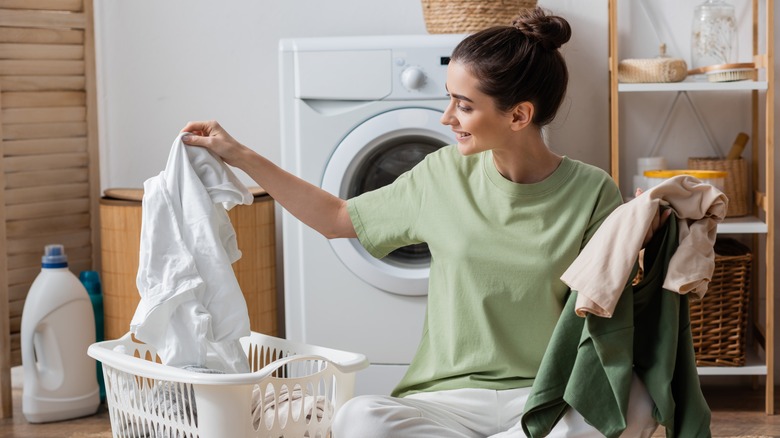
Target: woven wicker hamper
x,y
719,320
120,232
468,16
735,186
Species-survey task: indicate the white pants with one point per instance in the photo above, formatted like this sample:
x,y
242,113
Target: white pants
x,y
475,413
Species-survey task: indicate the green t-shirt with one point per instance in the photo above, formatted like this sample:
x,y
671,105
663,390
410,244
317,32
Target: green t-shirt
x,y
498,250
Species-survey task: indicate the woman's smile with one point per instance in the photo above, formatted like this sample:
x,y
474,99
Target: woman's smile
x,y
460,135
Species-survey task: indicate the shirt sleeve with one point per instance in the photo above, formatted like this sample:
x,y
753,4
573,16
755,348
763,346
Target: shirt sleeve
x,y
385,218
608,200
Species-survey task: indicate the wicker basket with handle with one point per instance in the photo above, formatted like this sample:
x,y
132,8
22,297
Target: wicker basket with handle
x,y
735,185
719,320
468,16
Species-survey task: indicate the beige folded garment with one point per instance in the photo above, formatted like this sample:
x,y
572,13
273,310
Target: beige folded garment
x,y
601,271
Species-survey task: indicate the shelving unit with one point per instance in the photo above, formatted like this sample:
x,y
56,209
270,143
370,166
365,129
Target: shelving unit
x,y
760,224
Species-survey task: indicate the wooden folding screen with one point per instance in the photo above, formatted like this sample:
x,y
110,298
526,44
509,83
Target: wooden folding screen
x,y
48,131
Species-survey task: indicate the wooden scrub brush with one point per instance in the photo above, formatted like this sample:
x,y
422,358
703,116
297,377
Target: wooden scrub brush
x,y
727,72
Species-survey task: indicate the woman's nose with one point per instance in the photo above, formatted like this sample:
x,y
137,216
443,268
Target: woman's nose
x,y
447,117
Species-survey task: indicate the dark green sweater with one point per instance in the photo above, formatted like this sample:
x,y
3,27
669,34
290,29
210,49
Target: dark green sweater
x,y
589,362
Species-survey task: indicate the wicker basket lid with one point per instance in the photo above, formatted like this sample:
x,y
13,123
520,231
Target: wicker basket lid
x,y
124,194
696,173
136,195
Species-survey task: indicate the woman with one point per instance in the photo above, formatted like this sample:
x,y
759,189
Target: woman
x,y
503,216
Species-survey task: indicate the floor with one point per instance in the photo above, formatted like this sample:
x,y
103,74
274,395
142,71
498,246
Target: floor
x,y
95,426
736,412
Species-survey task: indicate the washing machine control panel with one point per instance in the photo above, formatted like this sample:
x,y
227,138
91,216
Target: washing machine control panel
x,y
419,73
413,78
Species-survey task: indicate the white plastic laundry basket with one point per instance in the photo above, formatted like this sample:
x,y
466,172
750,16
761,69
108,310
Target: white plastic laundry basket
x,y
293,390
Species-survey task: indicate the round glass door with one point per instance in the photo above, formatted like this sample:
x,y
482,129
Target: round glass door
x,y
382,167
371,156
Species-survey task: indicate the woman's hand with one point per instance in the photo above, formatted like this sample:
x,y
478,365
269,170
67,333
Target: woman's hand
x,y
210,135
313,206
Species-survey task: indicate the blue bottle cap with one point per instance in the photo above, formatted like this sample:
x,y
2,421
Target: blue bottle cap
x,y
54,257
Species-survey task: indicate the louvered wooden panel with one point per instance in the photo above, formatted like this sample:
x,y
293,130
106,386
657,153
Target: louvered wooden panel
x,y
44,146
44,115
48,133
41,83
28,35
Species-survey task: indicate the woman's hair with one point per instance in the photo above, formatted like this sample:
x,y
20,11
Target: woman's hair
x,y
520,63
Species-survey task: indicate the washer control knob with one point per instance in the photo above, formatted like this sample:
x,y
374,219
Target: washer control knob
x,y
413,78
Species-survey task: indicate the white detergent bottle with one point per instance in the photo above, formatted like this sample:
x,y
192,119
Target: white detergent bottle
x,y
58,325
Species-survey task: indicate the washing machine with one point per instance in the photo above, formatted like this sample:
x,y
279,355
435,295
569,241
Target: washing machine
x,y
356,112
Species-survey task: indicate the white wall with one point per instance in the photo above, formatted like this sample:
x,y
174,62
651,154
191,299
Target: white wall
x,y
162,63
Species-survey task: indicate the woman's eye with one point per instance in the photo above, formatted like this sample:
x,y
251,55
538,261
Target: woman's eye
x,y
465,109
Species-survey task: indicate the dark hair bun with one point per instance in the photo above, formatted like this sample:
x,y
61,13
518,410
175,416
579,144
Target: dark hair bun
x,y
551,31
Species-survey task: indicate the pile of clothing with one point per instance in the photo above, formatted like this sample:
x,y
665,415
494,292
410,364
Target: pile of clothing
x,y
192,310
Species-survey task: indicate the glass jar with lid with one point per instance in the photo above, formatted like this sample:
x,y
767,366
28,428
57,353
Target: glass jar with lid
x,y
713,34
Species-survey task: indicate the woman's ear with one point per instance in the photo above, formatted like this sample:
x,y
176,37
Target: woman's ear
x,y
522,115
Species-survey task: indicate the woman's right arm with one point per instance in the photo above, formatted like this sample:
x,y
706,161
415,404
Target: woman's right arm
x,y
325,213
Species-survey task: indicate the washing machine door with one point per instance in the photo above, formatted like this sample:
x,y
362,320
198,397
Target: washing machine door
x,y
373,155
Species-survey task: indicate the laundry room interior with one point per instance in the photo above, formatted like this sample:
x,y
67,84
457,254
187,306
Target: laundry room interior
x,y
327,91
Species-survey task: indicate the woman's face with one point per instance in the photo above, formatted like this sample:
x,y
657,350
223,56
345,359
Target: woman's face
x,y
477,123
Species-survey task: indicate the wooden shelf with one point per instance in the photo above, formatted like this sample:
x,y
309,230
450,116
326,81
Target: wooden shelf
x,y
694,85
742,225
762,167
754,366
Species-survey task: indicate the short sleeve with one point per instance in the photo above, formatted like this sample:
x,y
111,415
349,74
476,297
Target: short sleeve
x,y
385,219
608,200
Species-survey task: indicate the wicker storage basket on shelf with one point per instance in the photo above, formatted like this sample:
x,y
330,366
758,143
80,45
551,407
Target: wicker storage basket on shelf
x,y
651,70
659,69
735,186
719,320
468,16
